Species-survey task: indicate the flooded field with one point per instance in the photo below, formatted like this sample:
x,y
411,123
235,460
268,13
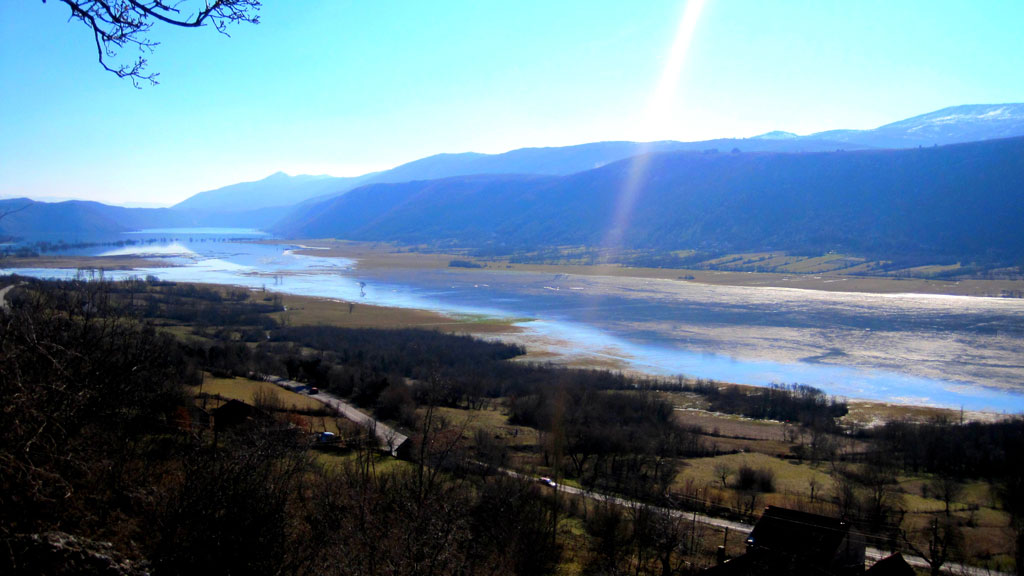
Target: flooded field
x,y
928,349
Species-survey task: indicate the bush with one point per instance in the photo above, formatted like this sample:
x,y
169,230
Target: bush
x,y
759,479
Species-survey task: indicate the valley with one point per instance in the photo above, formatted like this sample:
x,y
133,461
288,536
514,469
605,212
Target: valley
x,y
888,345
671,288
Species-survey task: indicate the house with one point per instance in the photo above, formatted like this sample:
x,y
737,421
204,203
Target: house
x,y
894,565
231,414
785,542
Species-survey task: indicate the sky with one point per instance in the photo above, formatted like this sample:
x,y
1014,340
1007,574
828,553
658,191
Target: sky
x,y
345,87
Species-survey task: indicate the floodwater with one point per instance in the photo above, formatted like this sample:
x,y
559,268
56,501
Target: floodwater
x,y
921,349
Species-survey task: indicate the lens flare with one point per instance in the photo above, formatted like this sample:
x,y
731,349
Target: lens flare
x,y
657,114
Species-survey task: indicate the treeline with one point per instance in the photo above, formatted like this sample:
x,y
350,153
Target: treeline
x,y
624,442
385,369
971,450
798,403
102,471
596,431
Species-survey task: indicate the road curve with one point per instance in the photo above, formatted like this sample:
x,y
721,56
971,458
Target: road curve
x,y
3,297
387,435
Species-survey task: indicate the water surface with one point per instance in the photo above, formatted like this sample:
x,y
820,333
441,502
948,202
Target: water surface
x,y
855,345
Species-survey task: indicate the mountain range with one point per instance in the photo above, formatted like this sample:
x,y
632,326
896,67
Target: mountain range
x,y
949,203
952,125
858,191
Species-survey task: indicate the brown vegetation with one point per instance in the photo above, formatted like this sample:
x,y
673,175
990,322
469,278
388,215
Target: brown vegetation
x,y
104,442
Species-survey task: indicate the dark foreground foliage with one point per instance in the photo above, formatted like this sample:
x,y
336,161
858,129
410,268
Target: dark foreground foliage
x,y
96,447
101,455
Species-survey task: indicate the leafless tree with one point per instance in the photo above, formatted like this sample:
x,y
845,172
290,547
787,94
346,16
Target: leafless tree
x,y
939,543
946,488
723,471
120,24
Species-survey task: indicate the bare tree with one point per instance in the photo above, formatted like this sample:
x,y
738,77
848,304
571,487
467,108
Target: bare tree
x,y
946,488
940,542
723,471
120,24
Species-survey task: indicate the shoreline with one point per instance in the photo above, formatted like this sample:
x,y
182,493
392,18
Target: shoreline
x,y
929,354
313,310
371,255
864,412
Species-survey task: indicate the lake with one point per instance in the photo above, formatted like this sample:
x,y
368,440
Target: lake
x,y
948,351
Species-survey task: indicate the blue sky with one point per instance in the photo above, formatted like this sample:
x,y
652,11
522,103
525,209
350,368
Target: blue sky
x,y
344,87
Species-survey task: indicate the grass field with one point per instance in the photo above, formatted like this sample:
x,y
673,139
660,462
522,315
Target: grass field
x,y
806,273
790,478
247,391
87,262
306,311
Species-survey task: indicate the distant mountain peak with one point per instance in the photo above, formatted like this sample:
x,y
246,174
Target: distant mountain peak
x,y
967,114
776,135
951,125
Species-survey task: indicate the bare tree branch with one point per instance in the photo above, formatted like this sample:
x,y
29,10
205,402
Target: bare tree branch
x,y
120,24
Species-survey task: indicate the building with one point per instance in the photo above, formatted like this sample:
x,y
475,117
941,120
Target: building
x,y
785,542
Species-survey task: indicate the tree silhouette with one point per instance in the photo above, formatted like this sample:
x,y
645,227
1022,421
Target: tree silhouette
x,y
118,24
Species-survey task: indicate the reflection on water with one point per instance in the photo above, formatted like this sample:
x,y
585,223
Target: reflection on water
x,y
145,250
617,323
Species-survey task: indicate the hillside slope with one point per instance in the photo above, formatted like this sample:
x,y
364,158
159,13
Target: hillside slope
x,y
961,202
953,125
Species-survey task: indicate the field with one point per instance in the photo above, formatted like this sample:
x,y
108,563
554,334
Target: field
x,y
828,272
594,432
309,311
301,409
85,262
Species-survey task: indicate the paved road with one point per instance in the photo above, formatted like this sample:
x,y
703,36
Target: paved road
x,y
3,297
872,554
387,435
393,439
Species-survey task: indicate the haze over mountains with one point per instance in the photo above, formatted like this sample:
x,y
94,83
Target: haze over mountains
x,y
950,203
845,190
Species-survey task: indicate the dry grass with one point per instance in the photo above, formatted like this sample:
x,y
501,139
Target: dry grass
x,y
492,420
87,262
790,478
869,414
312,311
926,271
383,464
379,255
816,265
732,426
246,390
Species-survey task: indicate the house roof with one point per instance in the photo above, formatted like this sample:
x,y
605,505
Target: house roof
x,y
895,565
802,534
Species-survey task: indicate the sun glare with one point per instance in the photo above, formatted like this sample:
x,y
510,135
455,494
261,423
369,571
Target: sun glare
x,y
658,113
663,104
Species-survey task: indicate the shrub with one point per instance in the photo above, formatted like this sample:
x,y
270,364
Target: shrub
x,y
759,479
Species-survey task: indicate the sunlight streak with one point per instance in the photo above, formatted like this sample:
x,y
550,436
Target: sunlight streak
x,y
661,106
659,110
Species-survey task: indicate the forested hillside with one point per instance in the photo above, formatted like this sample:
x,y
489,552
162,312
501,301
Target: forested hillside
x,y
952,203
